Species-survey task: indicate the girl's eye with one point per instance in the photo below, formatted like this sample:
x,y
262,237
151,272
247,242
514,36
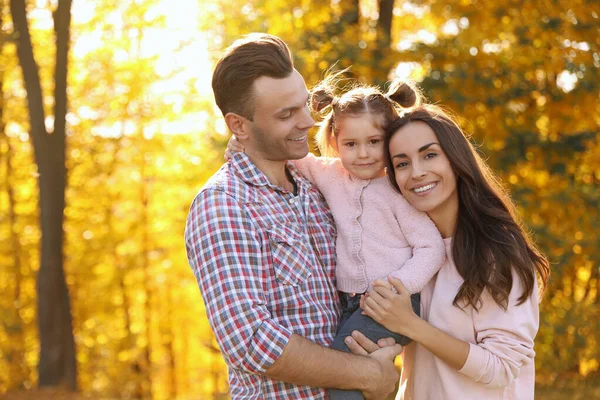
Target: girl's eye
x,y
349,144
375,141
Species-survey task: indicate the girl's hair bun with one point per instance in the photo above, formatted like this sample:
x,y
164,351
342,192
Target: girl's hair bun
x,y
405,93
321,97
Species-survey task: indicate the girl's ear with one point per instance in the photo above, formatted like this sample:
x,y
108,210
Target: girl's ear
x,y
333,142
238,125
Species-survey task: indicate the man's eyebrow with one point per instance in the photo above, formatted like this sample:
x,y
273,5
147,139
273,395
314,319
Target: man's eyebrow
x,y
421,149
286,109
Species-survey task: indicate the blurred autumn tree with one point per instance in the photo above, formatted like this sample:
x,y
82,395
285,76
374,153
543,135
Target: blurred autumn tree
x,y
143,135
57,349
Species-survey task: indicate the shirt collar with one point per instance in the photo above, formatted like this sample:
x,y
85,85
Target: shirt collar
x,y
249,173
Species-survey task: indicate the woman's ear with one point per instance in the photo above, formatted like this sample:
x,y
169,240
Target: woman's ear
x,y
238,125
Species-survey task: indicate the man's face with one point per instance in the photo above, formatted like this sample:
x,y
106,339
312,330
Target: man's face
x,y
281,120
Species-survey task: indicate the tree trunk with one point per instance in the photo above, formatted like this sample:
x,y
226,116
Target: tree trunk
x,y
380,59
147,276
169,343
57,363
384,23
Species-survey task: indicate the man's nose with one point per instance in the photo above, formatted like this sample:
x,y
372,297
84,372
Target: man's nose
x,y
306,121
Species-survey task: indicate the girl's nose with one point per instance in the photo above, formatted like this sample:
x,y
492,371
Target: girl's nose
x,y
362,152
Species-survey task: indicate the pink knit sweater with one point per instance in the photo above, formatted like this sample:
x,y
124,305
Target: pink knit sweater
x,y
379,232
500,362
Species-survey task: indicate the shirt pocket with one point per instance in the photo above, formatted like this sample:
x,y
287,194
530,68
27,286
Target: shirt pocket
x,y
291,258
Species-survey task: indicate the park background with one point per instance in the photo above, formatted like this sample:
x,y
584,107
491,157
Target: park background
x,y
108,125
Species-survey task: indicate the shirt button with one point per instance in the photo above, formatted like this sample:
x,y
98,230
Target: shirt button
x,y
292,201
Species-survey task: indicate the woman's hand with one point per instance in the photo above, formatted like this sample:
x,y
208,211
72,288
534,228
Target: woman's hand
x,y
390,309
233,146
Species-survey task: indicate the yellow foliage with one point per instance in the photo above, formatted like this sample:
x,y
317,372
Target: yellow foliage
x,y
144,136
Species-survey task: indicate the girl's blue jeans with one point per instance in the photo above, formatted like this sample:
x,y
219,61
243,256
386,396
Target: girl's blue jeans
x,y
353,320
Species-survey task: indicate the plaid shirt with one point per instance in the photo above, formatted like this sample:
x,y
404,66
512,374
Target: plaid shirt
x,y
264,260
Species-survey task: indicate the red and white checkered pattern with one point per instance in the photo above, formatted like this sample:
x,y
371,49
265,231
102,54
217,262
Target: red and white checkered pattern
x,y
264,260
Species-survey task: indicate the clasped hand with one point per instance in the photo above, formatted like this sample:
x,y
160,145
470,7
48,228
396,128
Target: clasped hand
x,y
389,304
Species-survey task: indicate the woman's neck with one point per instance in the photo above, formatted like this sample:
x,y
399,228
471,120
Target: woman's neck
x,y
445,216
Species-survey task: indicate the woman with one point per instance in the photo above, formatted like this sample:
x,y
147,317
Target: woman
x,y
479,316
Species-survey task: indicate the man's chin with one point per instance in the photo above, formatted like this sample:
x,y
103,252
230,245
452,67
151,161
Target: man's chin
x,y
299,154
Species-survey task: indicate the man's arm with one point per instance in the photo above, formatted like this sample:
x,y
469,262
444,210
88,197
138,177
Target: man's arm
x,y
306,363
224,251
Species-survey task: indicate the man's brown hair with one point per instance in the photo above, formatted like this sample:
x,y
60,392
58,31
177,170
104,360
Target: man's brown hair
x,y
247,59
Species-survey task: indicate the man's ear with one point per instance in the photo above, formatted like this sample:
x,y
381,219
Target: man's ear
x,y
238,125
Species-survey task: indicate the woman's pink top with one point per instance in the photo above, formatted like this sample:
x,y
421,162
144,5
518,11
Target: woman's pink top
x,y
500,362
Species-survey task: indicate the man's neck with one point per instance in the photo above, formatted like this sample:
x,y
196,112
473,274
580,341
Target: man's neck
x,y
275,171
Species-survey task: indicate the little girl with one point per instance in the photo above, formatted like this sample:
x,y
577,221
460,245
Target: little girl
x,y
379,232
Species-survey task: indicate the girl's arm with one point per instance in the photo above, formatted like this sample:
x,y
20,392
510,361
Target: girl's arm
x,y
318,170
504,339
429,251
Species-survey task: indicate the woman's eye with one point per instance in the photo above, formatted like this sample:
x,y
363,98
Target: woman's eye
x,y
401,165
430,155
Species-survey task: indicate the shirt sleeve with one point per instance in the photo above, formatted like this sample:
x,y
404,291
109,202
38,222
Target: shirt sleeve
x,y
318,170
428,249
504,338
223,249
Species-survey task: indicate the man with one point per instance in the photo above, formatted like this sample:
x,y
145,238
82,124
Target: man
x,y
261,241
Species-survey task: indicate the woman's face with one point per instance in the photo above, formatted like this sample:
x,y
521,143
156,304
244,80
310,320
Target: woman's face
x,y
423,172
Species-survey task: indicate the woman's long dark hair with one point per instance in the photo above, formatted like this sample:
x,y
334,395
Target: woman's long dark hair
x,y
488,241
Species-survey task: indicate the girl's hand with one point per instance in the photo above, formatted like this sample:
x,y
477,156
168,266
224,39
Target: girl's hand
x,y
233,146
390,309
377,282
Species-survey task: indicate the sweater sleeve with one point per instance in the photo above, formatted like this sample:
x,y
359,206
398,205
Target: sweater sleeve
x,y
428,249
504,338
318,170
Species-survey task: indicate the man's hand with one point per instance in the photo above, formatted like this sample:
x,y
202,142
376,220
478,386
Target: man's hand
x,y
384,351
388,376
361,345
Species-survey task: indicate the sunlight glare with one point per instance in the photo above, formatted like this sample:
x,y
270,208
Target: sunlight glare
x,y
182,59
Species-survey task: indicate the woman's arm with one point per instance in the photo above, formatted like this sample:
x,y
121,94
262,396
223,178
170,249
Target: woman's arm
x,y
394,311
504,339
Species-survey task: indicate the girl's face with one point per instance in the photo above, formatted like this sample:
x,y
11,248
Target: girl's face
x,y
359,142
423,172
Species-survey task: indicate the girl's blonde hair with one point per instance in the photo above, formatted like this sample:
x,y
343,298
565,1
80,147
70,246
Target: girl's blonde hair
x,y
359,99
